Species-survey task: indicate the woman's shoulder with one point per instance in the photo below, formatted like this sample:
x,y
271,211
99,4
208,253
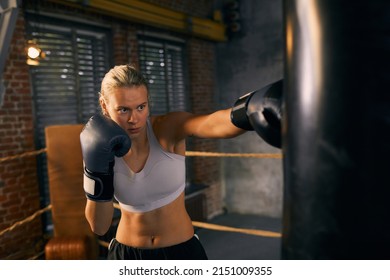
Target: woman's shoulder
x,y
170,125
170,119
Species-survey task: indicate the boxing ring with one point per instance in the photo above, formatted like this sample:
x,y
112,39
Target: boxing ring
x,y
72,237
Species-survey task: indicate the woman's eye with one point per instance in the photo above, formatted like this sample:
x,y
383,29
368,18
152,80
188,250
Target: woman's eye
x,y
141,107
123,110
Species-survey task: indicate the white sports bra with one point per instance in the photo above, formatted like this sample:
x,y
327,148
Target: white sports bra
x,y
160,182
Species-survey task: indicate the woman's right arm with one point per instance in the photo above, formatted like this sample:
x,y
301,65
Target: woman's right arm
x,y
99,215
101,140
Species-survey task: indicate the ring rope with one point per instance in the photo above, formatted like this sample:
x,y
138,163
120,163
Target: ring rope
x,y
188,153
116,205
26,154
210,226
28,219
103,243
257,232
212,154
35,257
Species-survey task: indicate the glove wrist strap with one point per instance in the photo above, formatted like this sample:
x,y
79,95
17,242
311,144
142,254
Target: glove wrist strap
x,y
98,186
238,115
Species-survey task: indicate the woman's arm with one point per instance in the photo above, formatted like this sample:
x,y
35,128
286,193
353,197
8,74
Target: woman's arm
x,y
99,215
215,125
101,140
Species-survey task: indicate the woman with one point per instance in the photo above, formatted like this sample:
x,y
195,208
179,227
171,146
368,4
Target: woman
x,y
149,179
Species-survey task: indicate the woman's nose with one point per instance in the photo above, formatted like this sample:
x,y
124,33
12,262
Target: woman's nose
x,y
132,117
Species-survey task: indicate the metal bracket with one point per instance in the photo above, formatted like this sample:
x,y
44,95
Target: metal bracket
x,y
8,16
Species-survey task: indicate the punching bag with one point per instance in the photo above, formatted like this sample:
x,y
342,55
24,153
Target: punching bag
x,y
336,130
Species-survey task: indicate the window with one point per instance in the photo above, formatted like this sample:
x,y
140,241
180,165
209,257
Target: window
x,y
66,83
163,63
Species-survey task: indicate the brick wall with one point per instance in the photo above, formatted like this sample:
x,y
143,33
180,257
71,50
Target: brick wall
x,y
125,44
19,191
206,170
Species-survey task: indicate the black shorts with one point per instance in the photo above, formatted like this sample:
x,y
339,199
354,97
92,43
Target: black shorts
x,y
189,250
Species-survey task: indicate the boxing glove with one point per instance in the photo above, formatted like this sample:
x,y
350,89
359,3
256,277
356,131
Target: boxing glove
x,y
261,111
101,140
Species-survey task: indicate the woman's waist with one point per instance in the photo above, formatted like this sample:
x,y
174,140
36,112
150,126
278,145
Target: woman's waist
x,y
154,231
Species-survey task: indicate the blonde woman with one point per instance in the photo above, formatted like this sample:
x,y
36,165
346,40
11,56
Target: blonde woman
x,y
140,160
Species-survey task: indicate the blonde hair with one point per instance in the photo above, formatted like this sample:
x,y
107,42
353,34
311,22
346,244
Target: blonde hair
x,y
122,76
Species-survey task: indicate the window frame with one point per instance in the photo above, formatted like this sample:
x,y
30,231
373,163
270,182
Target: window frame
x,y
167,42
35,24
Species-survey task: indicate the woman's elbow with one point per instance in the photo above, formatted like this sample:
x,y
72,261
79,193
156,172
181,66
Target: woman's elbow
x,y
99,218
98,226
99,229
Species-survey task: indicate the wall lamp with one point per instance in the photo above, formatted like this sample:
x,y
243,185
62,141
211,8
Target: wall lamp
x,y
34,53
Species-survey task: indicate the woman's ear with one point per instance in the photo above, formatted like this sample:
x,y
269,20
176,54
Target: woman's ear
x,y
103,105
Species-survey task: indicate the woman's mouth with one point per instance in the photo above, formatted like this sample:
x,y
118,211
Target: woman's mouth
x,y
134,130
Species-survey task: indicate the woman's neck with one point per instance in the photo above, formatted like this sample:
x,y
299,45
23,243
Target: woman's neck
x,y
140,144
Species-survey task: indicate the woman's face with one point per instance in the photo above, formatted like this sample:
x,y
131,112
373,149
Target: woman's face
x,y
128,107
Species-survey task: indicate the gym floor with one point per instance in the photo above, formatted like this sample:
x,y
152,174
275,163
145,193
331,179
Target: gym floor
x,y
222,245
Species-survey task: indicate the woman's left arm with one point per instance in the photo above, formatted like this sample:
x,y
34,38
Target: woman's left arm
x,y
213,126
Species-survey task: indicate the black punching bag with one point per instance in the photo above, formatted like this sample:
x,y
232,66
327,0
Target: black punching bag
x,y
336,130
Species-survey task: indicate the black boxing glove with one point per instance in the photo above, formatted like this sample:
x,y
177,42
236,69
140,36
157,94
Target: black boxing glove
x,y
101,140
238,114
261,111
